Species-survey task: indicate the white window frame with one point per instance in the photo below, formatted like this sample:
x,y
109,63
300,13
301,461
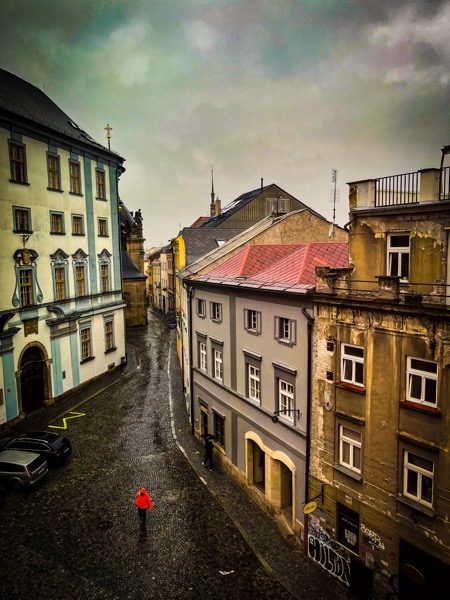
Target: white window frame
x,y
285,330
203,363
350,446
218,364
254,382
415,476
252,321
425,380
102,225
201,307
353,360
85,342
216,312
396,254
286,399
18,213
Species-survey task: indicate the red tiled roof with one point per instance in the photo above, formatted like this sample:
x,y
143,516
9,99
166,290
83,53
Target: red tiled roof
x,y
198,222
280,266
252,260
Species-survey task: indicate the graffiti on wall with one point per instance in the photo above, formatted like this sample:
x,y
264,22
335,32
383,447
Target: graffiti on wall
x,y
325,551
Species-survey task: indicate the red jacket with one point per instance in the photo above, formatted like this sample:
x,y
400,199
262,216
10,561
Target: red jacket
x,y
143,500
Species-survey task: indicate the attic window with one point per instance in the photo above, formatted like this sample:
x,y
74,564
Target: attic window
x,y
220,242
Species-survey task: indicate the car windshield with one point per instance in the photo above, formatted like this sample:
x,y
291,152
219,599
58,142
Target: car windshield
x,y
36,463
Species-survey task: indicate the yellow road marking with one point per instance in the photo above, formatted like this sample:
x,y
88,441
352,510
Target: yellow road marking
x,y
65,419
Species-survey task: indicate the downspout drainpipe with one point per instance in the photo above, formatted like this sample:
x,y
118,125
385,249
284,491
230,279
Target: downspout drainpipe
x,y
308,426
190,293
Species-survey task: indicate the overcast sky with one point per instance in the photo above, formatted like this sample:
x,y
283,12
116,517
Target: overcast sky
x,y
286,90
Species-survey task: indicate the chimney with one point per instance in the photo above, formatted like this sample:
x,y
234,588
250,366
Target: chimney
x,y
218,206
262,185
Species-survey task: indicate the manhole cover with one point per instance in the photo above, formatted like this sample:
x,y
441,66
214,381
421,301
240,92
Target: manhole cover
x,y
103,525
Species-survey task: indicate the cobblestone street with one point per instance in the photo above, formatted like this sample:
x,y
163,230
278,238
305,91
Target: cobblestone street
x,y
78,535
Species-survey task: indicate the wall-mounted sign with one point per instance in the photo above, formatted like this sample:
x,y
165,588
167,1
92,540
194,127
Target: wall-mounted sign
x,y
309,508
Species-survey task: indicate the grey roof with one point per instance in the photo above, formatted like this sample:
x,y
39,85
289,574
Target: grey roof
x,y
129,269
26,101
239,203
199,241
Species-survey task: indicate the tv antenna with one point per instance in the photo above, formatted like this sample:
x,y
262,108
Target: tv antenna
x,y
334,193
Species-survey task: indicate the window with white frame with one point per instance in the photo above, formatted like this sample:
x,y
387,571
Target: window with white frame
x,y
218,365
202,363
421,381
286,399
418,478
75,177
350,448
285,330
201,307
56,222
109,333
398,250
254,383
216,312
86,341
352,364
22,219
17,162
252,320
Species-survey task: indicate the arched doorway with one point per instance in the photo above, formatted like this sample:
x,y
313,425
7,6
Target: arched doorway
x,y
32,379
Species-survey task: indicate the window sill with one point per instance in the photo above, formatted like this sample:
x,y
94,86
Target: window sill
x,y
418,508
57,233
353,474
253,331
76,194
23,231
435,412
19,182
79,234
102,199
285,342
216,320
351,386
85,360
100,235
55,190
113,349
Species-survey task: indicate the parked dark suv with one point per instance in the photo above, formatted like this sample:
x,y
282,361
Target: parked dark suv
x,y
53,447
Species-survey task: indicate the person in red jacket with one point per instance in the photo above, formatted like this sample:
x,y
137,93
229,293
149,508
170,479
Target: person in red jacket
x,y
143,503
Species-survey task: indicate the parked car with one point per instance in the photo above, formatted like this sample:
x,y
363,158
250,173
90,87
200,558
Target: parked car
x,y
21,469
53,447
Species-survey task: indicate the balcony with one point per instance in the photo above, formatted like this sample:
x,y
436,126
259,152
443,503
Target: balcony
x,y
426,185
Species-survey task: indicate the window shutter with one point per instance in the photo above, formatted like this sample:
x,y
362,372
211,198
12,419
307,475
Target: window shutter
x,y
277,328
294,332
245,318
258,321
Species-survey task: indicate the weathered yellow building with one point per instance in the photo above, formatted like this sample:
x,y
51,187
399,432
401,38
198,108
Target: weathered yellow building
x,y
380,418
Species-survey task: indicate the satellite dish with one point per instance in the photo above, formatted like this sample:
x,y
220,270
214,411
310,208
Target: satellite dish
x,y
309,508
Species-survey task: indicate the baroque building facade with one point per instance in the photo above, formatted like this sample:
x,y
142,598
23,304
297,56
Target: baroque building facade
x,y
61,306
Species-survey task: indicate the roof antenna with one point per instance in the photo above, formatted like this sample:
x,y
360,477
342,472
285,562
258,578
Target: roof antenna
x,y
262,180
334,198
212,208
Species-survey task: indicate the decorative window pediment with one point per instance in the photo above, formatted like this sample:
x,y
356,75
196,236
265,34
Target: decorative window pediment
x,y
80,256
59,257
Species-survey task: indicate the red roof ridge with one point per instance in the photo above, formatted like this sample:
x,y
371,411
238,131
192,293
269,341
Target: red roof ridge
x,y
244,261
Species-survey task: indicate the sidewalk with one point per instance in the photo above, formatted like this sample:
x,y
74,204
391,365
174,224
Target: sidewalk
x,y
282,558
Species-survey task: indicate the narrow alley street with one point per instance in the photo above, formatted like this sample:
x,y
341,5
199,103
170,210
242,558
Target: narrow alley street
x,y
78,535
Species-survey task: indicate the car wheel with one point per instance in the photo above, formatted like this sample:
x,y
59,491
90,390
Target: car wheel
x,y
15,485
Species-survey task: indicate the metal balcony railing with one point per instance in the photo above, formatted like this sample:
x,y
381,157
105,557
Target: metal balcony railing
x,y
396,190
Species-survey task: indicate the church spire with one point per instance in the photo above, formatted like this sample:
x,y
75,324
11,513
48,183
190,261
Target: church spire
x,y
212,208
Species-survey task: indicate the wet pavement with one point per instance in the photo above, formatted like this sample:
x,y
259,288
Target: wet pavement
x,y
78,534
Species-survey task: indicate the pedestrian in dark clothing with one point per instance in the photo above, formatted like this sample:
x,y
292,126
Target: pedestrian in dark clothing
x,y
143,503
209,448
